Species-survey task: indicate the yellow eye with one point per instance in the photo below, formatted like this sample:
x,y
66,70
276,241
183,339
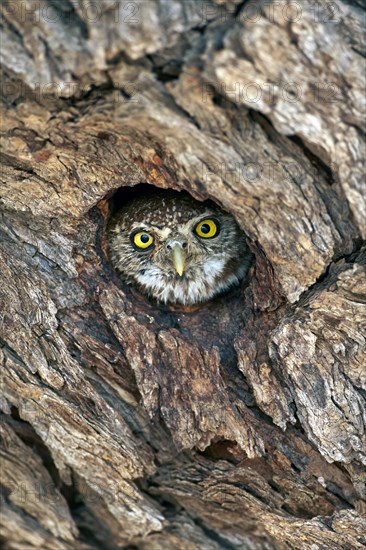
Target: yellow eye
x,y
206,229
142,240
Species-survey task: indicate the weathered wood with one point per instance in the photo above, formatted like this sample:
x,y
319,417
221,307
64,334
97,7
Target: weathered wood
x,y
236,424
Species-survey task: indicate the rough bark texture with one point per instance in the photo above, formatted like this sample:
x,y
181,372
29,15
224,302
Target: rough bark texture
x,y
236,424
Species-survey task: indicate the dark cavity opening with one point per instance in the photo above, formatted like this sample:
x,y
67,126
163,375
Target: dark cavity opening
x,y
213,259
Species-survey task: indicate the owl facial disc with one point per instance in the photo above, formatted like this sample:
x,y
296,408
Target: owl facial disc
x,y
176,249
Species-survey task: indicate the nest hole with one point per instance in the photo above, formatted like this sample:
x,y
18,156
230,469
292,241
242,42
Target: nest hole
x,y
173,248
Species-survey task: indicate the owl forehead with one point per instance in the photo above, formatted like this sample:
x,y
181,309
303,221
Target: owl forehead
x,y
166,214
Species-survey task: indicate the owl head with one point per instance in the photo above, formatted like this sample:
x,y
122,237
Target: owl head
x,y
177,249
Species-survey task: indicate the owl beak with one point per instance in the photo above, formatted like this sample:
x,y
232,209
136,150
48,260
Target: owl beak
x,y
179,259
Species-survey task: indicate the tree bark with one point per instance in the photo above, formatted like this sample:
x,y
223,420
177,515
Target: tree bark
x,y
238,424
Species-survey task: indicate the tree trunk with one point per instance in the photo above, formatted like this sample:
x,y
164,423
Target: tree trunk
x,y
239,424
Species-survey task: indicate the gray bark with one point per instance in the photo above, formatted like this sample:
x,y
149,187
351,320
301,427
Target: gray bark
x,y
236,424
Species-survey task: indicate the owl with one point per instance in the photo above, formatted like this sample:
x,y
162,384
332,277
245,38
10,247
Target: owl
x,y
176,249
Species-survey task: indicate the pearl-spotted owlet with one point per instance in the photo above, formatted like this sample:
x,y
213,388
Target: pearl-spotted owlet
x,y
176,249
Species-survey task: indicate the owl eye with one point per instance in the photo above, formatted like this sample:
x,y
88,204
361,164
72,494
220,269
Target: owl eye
x,y
142,240
206,229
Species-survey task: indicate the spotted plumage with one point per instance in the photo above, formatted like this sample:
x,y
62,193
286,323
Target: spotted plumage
x,y
176,249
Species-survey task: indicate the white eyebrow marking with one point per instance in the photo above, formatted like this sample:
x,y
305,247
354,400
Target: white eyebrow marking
x,y
164,233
